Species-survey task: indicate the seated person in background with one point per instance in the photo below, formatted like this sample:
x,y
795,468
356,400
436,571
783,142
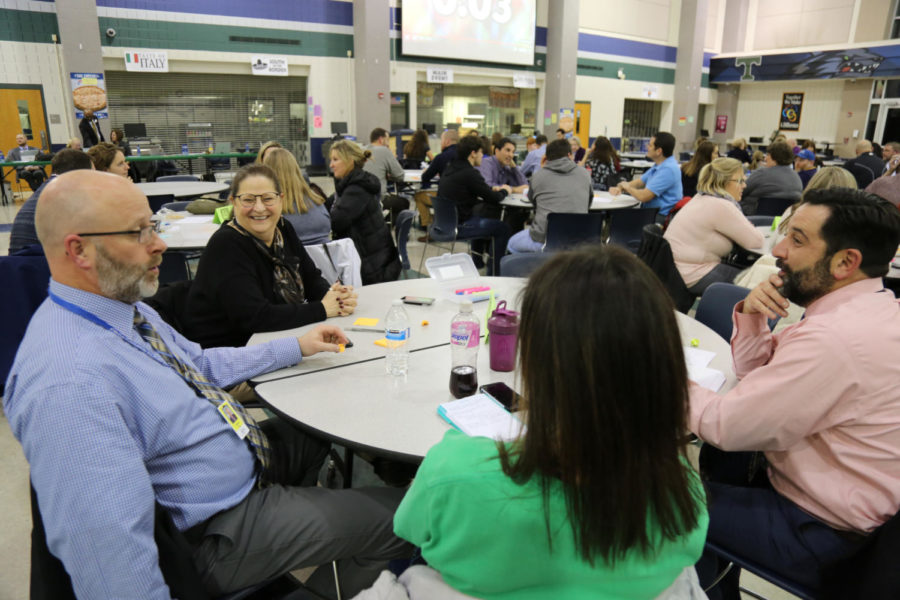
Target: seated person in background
x,y
805,165
577,151
557,512
264,150
126,412
530,144
416,150
890,154
816,413
887,186
108,157
777,180
705,229
75,144
560,186
356,213
302,207
603,164
436,167
23,233
254,274
866,167
117,138
384,165
532,161
739,151
33,175
500,169
705,153
477,203
660,187
758,161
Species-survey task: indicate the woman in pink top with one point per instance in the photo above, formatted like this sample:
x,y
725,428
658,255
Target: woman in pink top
x,y
704,231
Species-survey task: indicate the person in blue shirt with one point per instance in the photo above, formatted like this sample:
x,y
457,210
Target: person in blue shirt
x,y
116,411
532,162
660,187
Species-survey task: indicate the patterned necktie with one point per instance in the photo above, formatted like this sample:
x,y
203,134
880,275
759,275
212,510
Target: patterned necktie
x,y
216,395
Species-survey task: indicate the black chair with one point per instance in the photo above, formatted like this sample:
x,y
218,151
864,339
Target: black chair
x,y
782,582
178,178
566,230
157,202
773,206
627,225
717,305
522,265
176,266
657,254
401,229
179,205
445,227
762,220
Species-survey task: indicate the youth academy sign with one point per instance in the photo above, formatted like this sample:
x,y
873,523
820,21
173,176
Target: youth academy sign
x,y
157,62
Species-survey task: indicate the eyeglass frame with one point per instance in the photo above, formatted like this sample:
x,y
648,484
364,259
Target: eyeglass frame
x,y
258,198
150,229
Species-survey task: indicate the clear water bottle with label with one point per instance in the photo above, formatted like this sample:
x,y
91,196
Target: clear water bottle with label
x,y
396,332
465,336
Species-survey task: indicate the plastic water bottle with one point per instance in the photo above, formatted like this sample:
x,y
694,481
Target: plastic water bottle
x,y
465,336
396,331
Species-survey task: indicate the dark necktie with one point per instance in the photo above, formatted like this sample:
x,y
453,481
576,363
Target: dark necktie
x,y
216,395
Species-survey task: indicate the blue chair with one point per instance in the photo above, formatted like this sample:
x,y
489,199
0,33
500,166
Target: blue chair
x,y
176,266
773,206
445,227
782,582
627,225
565,230
717,305
157,202
178,178
401,228
762,220
179,205
522,265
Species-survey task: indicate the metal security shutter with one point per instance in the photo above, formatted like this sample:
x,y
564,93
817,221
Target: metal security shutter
x,y
240,109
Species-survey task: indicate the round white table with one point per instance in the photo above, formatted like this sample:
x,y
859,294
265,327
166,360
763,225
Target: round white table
x,y
601,201
354,402
636,164
181,189
182,230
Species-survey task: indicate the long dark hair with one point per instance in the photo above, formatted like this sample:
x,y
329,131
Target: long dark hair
x,y
417,144
603,151
605,387
702,157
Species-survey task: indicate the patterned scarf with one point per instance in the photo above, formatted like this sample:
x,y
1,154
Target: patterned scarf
x,y
288,283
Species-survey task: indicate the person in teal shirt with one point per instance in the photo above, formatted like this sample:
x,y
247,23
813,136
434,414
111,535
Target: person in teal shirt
x,y
660,187
596,499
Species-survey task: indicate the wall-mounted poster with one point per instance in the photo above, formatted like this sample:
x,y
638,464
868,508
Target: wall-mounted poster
x,y
89,93
791,106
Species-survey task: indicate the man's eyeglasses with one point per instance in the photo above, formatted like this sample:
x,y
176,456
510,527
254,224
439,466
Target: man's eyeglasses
x,y
144,234
249,200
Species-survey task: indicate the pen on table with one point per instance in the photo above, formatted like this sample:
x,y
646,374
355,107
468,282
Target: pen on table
x,y
373,330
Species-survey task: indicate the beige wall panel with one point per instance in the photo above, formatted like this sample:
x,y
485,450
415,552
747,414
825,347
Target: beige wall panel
x,y
852,116
645,19
759,107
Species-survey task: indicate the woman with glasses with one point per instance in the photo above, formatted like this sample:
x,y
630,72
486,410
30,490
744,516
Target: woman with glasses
x,y
356,213
254,274
705,229
596,499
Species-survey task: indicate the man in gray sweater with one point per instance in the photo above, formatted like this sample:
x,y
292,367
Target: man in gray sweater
x,y
385,166
559,186
777,180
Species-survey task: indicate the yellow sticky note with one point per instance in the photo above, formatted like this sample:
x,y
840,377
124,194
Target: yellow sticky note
x,y
366,322
341,347
382,342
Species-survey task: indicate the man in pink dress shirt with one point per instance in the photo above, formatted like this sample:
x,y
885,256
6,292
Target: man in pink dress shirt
x,y
820,400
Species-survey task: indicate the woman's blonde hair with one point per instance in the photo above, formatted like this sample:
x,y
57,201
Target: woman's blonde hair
x,y
72,142
715,176
758,157
739,143
290,178
264,148
350,152
830,177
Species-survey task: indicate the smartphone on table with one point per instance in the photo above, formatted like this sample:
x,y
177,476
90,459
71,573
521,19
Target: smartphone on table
x,y
503,394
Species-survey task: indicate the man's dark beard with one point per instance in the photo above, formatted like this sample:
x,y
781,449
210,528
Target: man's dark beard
x,y
807,285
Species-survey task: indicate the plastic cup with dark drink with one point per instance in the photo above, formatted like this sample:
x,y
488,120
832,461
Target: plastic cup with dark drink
x,y
463,381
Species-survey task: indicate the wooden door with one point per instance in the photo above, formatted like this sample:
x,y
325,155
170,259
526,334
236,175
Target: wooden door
x,y
583,123
22,111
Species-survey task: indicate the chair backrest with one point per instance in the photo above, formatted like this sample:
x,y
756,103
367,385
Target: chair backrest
x,y
657,254
863,174
157,202
762,220
717,305
872,572
565,230
178,178
401,228
773,206
443,228
522,265
627,225
174,267
179,205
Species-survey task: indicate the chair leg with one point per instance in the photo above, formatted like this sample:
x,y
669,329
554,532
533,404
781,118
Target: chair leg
x,y
424,251
720,577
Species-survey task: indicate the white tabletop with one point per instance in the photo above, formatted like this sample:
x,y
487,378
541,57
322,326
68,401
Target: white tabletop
x,y
636,164
361,406
634,155
601,201
413,175
374,302
181,189
181,230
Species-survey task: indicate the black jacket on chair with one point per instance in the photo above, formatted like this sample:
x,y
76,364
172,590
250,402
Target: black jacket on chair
x,y
356,214
656,254
866,168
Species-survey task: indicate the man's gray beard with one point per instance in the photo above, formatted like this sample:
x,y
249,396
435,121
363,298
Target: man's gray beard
x,y
122,282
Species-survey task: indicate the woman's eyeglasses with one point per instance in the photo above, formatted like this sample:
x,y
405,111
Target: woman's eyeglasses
x,y
249,200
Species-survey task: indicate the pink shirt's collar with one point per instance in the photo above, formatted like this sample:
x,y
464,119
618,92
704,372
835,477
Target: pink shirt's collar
x,y
832,300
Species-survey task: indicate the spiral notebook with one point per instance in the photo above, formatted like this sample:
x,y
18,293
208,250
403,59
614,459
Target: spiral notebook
x,y
481,416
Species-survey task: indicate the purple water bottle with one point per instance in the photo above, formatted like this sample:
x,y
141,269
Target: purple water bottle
x,y
504,329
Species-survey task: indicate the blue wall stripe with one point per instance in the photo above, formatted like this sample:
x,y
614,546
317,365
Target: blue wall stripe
x,y
328,12
607,45
540,36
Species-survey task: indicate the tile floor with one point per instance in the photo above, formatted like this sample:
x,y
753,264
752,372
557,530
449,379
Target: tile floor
x,y
15,535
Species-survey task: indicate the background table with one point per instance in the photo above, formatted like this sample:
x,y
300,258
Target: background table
x,y
361,407
181,189
601,201
374,301
182,230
